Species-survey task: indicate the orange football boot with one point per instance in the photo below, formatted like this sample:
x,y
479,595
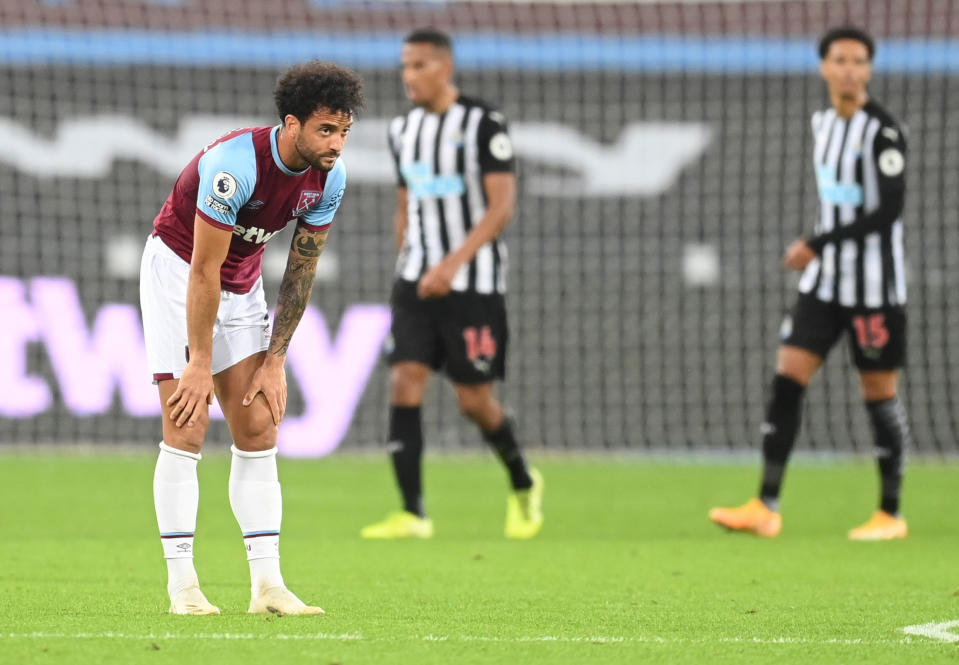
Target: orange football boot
x,y
881,526
752,517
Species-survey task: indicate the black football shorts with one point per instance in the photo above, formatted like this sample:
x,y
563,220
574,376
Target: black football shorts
x,y
463,334
877,337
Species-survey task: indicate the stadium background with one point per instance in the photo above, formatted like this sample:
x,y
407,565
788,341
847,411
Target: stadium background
x,y
663,155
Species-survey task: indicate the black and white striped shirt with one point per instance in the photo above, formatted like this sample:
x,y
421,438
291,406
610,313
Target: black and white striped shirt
x,y
441,159
860,165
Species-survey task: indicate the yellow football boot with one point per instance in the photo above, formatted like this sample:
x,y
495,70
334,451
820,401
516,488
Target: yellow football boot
x,y
524,509
401,524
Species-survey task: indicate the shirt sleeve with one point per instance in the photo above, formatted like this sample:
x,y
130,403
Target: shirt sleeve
x,y
321,215
889,150
495,145
889,155
816,120
393,141
227,180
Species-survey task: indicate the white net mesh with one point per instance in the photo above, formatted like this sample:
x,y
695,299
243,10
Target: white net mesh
x,y
664,165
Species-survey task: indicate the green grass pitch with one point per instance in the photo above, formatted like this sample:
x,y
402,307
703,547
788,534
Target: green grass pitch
x,y
626,570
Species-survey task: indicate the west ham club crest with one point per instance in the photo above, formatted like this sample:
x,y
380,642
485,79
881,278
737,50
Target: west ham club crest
x,y
308,199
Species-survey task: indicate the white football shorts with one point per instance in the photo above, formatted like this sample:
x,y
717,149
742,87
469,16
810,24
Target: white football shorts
x,y
242,325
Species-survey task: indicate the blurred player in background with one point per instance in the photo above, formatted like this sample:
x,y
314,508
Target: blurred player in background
x,y
456,193
853,283
206,322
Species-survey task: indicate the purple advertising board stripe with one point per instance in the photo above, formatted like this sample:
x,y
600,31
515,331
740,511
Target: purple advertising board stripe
x,y
92,363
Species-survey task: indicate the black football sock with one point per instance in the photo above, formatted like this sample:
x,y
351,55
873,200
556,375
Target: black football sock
x,y
891,429
406,450
779,435
503,441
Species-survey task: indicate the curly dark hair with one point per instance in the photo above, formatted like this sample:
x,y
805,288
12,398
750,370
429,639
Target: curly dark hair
x,y
304,88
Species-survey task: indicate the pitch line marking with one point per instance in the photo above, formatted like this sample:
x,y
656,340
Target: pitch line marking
x,y
937,630
39,635
533,639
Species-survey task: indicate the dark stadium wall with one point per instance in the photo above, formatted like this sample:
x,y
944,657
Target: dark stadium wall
x,y
661,176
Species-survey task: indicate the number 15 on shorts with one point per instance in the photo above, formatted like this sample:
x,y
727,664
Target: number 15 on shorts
x,y
871,331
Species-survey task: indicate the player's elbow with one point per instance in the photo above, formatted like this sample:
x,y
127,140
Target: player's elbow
x,y
205,272
504,213
501,194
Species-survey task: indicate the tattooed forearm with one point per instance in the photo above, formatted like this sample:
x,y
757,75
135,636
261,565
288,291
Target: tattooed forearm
x,y
308,245
296,286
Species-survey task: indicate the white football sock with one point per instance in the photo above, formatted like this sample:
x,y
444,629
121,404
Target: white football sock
x,y
176,494
258,506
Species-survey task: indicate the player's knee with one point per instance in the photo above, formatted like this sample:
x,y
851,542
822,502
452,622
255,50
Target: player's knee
x,y
185,438
468,409
475,404
256,432
878,386
188,438
407,384
797,364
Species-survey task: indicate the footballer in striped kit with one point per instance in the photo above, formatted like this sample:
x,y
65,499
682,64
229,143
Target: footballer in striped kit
x,y
456,192
853,284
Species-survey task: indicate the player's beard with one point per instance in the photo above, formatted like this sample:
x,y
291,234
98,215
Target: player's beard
x,y
314,158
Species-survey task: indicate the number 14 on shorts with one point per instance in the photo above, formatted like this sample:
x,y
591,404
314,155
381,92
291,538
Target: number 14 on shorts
x,y
480,343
